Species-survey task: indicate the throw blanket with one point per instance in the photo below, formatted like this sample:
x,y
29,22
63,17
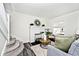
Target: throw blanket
x,y
27,51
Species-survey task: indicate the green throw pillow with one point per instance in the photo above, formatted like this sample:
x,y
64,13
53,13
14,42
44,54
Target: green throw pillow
x,y
63,42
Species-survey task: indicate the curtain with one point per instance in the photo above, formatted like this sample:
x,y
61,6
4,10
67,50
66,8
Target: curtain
x,y
3,27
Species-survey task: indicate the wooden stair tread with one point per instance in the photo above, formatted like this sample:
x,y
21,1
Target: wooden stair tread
x,y
11,42
17,51
12,47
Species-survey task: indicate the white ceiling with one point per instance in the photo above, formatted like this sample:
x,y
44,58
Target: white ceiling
x,y
47,10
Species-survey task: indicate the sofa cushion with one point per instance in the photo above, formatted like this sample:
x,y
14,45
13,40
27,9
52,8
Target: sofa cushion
x,y
74,49
52,51
63,42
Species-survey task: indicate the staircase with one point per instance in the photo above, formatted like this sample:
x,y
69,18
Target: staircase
x,y
14,47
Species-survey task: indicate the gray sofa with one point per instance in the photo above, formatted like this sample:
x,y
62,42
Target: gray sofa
x,y
73,50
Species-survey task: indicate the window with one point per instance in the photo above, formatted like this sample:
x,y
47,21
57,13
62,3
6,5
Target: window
x,y
56,30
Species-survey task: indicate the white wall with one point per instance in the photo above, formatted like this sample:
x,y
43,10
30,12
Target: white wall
x,y
70,22
20,25
78,26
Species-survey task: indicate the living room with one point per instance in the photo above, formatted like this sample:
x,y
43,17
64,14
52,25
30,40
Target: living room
x,y
44,29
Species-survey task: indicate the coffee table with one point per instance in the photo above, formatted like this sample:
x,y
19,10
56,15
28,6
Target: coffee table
x,y
39,51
